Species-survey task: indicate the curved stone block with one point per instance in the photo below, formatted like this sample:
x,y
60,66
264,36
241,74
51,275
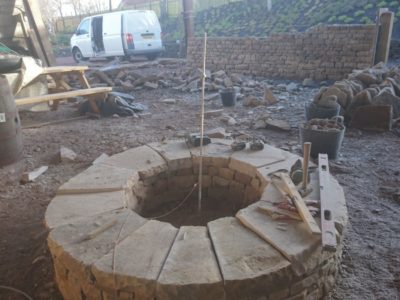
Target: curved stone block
x,y
135,263
250,266
65,209
191,271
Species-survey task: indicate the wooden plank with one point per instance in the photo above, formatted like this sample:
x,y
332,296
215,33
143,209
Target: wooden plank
x,y
65,95
31,176
34,15
326,193
305,214
83,80
64,69
271,210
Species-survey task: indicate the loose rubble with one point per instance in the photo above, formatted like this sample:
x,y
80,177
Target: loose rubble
x,y
374,86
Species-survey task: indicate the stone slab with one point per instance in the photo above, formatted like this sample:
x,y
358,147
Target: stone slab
x,y
139,159
217,148
175,153
286,164
99,178
250,266
77,246
66,209
191,270
137,261
291,238
246,161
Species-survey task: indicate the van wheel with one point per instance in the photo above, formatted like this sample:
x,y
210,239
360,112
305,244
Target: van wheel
x,y
152,56
77,55
110,58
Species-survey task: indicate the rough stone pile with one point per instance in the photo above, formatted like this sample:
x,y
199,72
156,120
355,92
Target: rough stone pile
x,y
378,85
323,124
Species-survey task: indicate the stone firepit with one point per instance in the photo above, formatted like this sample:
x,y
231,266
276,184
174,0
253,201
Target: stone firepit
x,y
111,236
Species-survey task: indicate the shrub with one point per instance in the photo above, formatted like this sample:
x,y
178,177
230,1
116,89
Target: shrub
x,y
359,13
332,19
382,4
368,6
366,20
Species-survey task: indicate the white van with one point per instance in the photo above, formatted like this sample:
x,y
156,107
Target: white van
x,y
122,33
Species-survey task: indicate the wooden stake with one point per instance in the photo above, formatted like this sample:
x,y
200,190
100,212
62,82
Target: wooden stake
x,y
202,122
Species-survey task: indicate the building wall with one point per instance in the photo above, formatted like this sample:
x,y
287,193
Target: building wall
x,y
322,52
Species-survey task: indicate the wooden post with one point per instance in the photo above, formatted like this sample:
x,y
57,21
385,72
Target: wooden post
x,y
36,22
384,36
188,20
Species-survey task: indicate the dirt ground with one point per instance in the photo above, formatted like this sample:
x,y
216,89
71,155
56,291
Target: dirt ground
x,y
368,162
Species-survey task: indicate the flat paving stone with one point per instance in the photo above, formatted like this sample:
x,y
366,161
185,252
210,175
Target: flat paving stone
x,y
65,209
136,262
99,178
191,270
217,148
77,246
291,238
246,161
250,266
141,158
176,154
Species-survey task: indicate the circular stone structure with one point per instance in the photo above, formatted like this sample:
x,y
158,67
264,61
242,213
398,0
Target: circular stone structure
x,y
128,228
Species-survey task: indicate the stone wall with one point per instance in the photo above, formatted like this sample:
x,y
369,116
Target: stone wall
x,y
322,52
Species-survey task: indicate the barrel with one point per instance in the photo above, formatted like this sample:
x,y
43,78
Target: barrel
x,y
10,126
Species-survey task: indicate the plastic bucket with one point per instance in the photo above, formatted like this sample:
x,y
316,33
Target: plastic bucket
x,y
228,97
313,111
324,141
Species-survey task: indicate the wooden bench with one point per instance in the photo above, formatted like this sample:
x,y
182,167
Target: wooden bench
x,y
61,90
89,92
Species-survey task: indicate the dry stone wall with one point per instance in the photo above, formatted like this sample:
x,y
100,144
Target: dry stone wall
x,y
322,52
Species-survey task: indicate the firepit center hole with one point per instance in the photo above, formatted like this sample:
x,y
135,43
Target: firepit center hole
x,y
225,191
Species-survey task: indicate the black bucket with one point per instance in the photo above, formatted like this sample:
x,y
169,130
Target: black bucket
x,y
228,97
317,112
324,141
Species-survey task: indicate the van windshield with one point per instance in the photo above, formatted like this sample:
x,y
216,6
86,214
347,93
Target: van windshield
x,y
141,21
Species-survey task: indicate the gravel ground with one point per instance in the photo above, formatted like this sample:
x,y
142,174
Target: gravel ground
x,y
368,162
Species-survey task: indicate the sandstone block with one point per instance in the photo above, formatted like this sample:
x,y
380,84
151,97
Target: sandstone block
x,y
64,209
249,265
136,261
99,178
191,271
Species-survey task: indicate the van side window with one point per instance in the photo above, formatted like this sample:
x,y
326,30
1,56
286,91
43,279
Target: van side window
x,y
83,28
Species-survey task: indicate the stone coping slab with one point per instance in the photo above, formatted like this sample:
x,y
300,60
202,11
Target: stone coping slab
x,y
103,249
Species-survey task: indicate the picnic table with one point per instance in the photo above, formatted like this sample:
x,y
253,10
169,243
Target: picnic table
x,y
63,90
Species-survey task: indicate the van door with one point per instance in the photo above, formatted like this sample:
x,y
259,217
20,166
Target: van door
x,y
112,35
82,38
145,30
97,36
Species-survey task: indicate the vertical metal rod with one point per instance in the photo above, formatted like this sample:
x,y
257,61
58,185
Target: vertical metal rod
x,y
202,122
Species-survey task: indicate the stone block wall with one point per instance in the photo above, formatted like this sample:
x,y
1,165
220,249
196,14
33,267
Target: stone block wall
x,y
322,52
